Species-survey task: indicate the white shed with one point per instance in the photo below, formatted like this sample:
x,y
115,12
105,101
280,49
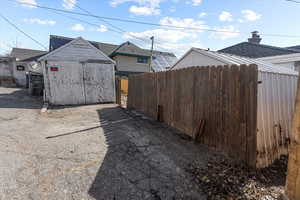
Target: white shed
x,y
78,73
276,98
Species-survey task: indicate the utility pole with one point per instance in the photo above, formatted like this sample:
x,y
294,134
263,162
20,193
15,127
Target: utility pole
x,y
151,56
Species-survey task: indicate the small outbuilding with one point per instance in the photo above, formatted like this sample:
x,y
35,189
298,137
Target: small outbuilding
x,y
78,73
276,94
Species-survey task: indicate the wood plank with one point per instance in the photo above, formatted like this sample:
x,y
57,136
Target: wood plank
x,y
293,176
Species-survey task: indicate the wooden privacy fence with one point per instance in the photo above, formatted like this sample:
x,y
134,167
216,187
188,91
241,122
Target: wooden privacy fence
x,y
215,105
293,177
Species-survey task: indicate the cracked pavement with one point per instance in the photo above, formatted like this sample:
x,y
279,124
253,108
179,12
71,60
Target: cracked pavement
x,y
90,152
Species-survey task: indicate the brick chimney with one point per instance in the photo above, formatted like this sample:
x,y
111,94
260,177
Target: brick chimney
x,y
255,38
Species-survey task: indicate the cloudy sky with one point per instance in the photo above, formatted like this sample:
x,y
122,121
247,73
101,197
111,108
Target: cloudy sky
x,y
235,19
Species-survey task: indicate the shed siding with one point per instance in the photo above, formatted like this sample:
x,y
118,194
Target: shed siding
x,y
196,59
66,85
6,68
99,82
129,63
276,96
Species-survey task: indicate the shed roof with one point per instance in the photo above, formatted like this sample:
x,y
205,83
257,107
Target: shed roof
x,y
26,54
79,39
252,50
238,60
58,41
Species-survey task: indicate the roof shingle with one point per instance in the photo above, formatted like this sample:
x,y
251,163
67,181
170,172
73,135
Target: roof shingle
x,y
252,50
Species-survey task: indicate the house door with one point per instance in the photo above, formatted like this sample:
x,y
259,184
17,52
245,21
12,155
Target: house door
x,y
98,82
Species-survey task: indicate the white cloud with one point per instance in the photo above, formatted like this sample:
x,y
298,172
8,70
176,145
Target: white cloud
x,y
225,33
39,21
26,3
250,15
69,4
177,40
144,7
102,28
203,14
185,22
144,10
225,16
172,9
196,2
78,27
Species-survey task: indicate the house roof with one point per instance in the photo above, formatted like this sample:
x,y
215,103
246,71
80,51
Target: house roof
x,y
58,41
129,48
297,48
238,60
253,50
26,54
161,60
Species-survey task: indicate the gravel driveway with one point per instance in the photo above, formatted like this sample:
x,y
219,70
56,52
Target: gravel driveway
x,y
90,152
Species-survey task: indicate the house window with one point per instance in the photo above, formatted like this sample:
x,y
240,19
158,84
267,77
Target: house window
x,y
142,60
20,68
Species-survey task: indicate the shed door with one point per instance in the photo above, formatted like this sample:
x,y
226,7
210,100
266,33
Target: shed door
x,y
98,83
66,84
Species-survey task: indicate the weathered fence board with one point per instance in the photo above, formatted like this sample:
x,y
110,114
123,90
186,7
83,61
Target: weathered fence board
x,y
222,99
293,177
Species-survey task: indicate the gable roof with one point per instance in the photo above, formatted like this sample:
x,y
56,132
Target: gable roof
x,y
252,50
58,41
26,54
73,42
229,59
129,48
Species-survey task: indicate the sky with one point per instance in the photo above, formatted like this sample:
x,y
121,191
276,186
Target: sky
x,y
235,18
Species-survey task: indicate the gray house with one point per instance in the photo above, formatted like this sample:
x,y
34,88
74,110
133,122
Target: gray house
x,y
26,60
129,58
7,64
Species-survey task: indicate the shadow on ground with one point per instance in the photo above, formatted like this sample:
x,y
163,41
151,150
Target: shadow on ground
x,y
19,98
144,160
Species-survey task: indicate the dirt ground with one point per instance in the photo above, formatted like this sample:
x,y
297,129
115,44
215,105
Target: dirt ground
x,y
91,152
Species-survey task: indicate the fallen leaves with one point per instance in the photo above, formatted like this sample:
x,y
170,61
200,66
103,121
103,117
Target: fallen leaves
x,y
222,179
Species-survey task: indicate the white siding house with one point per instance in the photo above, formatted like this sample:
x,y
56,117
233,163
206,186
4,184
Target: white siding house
x,y
78,73
276,95
291,61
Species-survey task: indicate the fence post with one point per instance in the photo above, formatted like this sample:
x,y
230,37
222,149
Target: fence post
x,y
293,176
118,91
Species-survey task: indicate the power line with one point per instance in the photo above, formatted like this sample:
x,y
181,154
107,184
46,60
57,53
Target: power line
x,y
149,23
20,30
116,27
89,23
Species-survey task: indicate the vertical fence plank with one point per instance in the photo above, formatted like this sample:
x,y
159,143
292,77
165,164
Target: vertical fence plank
x,y
293,176
225,97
